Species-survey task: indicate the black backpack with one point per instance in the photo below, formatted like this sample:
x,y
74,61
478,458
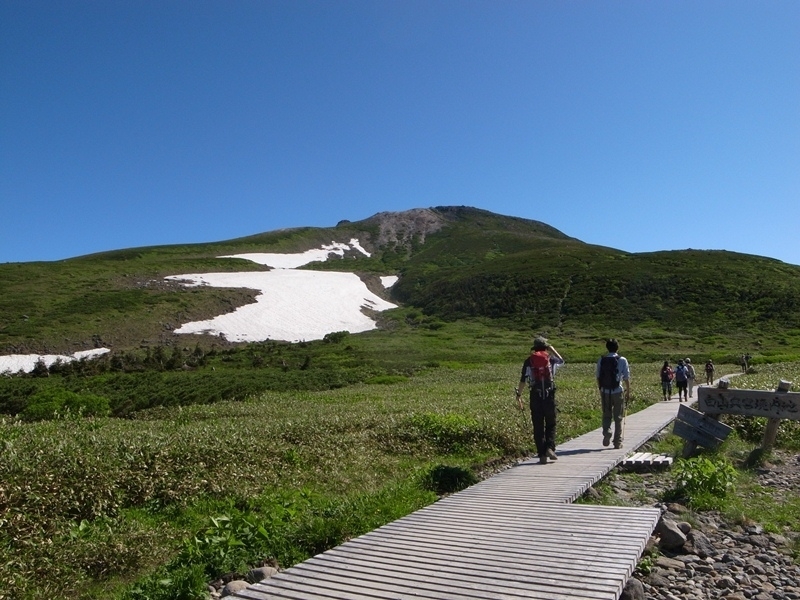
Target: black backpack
x,y
609,377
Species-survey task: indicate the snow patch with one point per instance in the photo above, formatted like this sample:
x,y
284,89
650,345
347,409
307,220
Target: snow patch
x,y
292,306
389,280
292,261
14,363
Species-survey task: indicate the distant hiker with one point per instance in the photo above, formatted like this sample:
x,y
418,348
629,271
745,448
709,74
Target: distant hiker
x,y
743,363
709,372
666,380
681,381
690,375
538,371
612,372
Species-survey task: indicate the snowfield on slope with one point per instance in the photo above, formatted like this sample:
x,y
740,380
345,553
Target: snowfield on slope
x,y
14,363
292,306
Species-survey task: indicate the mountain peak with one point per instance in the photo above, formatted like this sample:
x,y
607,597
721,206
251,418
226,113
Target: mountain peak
x,y
399,228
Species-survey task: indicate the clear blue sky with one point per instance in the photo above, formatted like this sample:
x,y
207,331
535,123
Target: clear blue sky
x,y
637,125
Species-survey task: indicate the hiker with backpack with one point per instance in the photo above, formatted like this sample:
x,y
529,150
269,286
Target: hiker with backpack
x,y
681,381
690,375
538,371
612,373
666,380
709,372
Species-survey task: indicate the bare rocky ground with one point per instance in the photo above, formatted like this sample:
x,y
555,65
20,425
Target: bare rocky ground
x,y
701,555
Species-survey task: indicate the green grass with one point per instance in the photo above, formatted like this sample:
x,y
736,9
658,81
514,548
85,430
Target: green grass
x,y
125,501
147,486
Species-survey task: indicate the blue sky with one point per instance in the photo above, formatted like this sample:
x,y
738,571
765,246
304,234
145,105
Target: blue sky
x,y
637,125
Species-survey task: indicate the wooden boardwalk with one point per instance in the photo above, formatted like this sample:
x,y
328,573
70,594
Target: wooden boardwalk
x,y
515,535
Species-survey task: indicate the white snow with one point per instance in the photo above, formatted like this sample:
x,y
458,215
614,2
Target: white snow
x,y
354,243
292,306
292,261
14,363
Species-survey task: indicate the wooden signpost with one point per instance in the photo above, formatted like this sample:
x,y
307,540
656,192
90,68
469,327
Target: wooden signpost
x,y
699,429
775,405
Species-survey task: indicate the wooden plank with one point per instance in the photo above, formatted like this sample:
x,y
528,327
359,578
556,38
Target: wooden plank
x,y
469,575
567,561
690,434
756,403
709,425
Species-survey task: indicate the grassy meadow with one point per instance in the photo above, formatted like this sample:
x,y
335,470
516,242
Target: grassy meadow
x,y
157,504
109,507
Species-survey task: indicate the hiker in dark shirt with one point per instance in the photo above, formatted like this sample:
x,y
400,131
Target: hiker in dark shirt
x,y
681,381
538,371
666,380
709,372
612,373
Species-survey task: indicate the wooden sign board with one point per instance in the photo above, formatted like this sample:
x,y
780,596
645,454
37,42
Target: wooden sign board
x,y
695,427
754,403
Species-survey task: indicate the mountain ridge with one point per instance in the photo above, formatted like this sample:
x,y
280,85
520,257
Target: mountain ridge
x,y
454,262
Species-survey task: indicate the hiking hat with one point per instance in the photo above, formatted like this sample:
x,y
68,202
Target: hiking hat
x,y
540,343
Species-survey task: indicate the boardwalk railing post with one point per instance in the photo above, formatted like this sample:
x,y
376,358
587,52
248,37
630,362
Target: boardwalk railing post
x,y
771,430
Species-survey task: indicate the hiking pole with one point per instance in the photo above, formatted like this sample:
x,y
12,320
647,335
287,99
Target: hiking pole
x,y
624,417
521,410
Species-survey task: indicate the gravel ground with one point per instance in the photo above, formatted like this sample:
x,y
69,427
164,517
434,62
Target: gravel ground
x,y
719,559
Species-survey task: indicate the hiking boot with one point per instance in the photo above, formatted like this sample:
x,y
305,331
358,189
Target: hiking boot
x,y
551,454
617,445
543,459
606,438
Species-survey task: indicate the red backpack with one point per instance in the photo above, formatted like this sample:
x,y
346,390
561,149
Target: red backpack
x,y
540,366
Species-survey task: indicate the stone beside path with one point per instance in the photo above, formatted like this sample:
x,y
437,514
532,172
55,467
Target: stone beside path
x,y
703,557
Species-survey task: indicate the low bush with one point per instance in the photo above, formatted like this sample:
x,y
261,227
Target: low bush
x,y
49,403
703,481
445,479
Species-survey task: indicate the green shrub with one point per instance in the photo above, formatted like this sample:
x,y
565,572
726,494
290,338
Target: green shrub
x,y
335,337
48,403
386,379
186,582
450,432
704,482
444,479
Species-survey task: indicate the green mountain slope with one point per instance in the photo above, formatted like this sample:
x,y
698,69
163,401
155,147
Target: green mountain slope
x,y
454,263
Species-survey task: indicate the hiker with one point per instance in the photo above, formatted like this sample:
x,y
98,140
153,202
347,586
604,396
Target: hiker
x,y
681,381
666,380
690,375
709,372
538,371
612,372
